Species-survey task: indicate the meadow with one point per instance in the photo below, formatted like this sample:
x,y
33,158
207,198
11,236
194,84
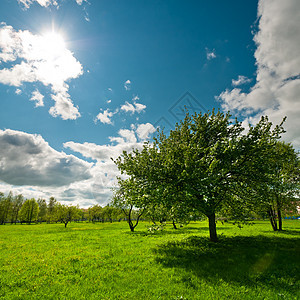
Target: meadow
x,y
107,261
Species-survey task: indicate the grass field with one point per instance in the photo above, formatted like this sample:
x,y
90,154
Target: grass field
x,y
106,261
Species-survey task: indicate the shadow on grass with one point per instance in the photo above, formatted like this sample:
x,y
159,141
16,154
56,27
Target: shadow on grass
x,y
284,232
172,231
248,261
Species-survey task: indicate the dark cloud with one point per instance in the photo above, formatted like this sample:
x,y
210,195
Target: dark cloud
x,y
27,159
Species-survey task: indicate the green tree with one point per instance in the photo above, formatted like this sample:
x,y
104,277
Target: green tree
x,y
42,210
281,191
131,200
66,214
5,207
205,160
96,213
17,203
51,210
29,211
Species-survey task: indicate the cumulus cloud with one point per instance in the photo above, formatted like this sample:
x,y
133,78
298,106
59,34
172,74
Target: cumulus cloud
x,y
210,54
38,98
134,107
277,87
105,117
64,107
104,171
128,135
38,58
126,141
127,85
241,80
144,130
27,159
29,166
44,3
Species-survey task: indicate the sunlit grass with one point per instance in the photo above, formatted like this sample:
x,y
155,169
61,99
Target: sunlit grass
x,y
106,261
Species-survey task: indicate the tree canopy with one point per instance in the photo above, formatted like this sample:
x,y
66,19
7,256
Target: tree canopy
x,y
204,164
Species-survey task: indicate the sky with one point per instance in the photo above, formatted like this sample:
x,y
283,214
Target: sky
x,y
81,81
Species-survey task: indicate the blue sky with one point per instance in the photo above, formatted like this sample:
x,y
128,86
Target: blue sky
x,y
80,81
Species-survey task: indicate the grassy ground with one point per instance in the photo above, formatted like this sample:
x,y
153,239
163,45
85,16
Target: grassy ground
x,y
106,261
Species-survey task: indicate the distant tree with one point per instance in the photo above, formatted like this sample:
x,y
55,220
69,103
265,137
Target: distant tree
x,y
51,210
96,213
29,211
17,203
108,213
66,214
5,207
84,215
42,209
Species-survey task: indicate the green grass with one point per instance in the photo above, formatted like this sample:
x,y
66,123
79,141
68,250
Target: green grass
x,y
106,261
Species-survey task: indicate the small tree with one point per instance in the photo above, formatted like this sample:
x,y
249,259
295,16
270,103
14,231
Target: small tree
x,y
5,207
29,211
42,209
96,213
51,210
66,214
16,206
129,198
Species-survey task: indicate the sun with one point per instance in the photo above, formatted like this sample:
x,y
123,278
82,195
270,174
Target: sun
x,y
53,62
53,43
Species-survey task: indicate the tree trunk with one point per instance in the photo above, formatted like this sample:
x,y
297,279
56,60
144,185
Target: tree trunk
x,y
272,219
279,219
278,212
212,227
131,227
174,225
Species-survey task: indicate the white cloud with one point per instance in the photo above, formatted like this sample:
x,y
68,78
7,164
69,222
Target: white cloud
x,y
64,107
127,85
128,135
27,159
18,91
241,80
43,59
38,97
210,54
104,171
105,117
133,107
29,166
44,3
144,130
126,141
277,88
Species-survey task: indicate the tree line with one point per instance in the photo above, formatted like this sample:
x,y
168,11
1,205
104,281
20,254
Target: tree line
x,y
211,165
17,209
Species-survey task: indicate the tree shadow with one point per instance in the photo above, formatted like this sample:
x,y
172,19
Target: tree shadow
x,y
172,231
285,232
246,261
